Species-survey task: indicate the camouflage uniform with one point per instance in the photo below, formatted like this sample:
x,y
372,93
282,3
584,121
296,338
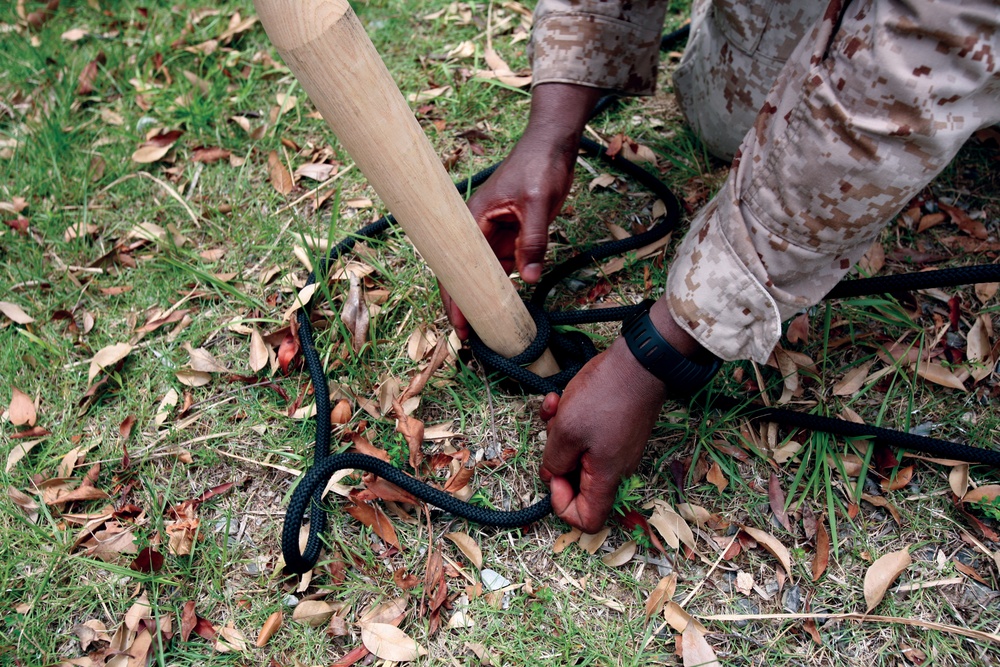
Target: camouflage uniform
x,y
837,116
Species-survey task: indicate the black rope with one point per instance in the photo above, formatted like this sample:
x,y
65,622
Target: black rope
x,y
572,350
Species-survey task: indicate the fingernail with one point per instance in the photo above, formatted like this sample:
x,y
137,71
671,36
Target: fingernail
x,y
532,272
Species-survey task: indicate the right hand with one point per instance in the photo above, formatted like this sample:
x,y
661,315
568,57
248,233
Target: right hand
x,y
515,207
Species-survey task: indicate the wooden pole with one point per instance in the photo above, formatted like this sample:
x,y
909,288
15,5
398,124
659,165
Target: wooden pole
x,y
326,47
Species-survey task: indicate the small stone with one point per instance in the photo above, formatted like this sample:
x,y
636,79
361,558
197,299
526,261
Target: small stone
x,y
975,595
251,568
290,600
792,599
748,607
493,581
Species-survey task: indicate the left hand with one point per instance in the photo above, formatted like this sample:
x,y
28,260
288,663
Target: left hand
x,y
596,434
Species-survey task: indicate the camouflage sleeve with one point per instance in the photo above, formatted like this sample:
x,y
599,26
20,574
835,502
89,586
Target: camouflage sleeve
x,y
613,45
874,102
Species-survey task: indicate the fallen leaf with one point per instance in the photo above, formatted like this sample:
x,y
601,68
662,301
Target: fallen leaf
x,y
979,348
260,353
18,452
203,360
390,643
882,573
271,625
107,356
468,547
565,540
879,501
375,519
149,153
209,154
716,477
776,498
771,543
602,181
989,493
660,595
192,378
281,180
230,639
591,542
853,380
679,619
899,481
390,612
798,329
986,291
938,374
317,171
22,409
427,95
14,313
822,556
974,228
671,526
621,555
354,314
958,480
312,612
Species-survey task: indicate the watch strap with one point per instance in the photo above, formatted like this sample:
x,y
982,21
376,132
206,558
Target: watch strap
x,y
682,376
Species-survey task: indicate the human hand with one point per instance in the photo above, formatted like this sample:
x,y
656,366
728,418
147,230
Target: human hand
x,y
515,207
596,434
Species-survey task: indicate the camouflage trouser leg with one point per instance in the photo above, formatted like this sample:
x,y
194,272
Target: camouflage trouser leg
x,y
874,101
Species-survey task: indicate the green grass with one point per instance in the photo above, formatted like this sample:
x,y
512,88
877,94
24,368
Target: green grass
x,y
72,164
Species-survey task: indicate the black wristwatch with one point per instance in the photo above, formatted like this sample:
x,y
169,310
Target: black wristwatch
x,y
681,375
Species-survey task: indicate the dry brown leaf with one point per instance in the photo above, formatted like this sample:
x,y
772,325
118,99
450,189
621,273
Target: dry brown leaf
x,y
776,499
822,557
989,493
671,526
312,613
958,479
798,329
873,260
390,612
271,625
203,360
375,519
602,181
317,171
853,380
228,638
281,180
591,542
879,501
390,643
18,452
979,349
15,313
986,291
899,481
938,374
354,314
882,573
467,546
192,378
427,95
25,502
716,477
660,595
260,353
149,153
107,356
565,540
697,652
22,409
621,555
679,619
501,71
772,544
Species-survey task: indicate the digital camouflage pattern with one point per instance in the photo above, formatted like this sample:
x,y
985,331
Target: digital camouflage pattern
x,y
874,98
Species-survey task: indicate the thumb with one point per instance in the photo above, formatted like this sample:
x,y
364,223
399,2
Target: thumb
x,y
559,459
533,239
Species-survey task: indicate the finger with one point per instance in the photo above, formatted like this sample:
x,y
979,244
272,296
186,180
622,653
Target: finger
x,y
550,404
559,459
533,240
455,316
562,495
594,502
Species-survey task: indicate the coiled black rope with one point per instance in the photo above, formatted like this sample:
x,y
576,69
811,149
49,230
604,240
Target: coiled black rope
x,y
572,350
